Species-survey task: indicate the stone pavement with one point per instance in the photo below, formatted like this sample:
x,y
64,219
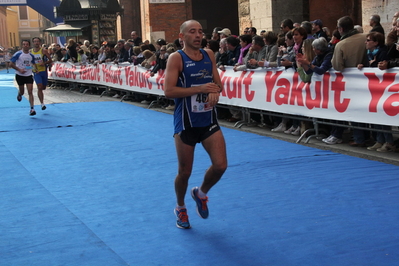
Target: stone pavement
x,y
66,96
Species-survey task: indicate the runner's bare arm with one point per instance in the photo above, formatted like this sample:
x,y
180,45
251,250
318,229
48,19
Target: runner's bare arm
x,y
14,66
213,98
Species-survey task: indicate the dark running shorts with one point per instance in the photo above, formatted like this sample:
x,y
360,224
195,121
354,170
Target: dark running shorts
x,y
22,80
194,135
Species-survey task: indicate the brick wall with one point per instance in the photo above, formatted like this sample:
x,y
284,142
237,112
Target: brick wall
x,y
330,11
165,19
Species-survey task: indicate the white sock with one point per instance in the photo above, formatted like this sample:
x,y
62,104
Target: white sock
x,y
180,207
201,194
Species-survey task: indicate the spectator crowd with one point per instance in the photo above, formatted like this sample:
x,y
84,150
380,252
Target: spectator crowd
x,y
308,47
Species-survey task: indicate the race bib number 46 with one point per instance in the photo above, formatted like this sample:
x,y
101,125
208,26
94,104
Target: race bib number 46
x,y
199,104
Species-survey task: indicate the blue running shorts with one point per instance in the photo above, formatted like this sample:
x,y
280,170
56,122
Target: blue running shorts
x,y
41,78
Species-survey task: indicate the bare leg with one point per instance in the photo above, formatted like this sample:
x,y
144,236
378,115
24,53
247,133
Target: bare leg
x,y
40,92
185,157
216,148
30,91
21,89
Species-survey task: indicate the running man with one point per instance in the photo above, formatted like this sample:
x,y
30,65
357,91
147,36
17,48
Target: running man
x,y
7,57
192,78
23,62
43,59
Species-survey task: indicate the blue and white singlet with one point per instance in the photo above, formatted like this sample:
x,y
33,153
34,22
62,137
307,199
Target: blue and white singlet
x,y
193,111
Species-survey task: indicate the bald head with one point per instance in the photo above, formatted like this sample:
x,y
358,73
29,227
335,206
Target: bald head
x,y
185,25
133,34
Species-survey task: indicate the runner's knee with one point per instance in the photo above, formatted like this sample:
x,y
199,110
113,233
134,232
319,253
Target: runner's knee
x,y
220,167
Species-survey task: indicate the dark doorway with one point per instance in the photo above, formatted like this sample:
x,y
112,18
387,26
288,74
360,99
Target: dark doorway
x,y
216,13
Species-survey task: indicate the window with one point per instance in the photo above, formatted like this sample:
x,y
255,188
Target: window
x,y
23,12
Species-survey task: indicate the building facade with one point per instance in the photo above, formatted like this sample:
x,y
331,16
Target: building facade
x,y
96,18
109,20
12,27
30,24
3,27
154,19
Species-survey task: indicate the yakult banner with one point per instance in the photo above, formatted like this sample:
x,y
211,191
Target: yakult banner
x,y
368,95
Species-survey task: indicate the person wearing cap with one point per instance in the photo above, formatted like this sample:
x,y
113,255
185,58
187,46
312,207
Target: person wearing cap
x,y
224,33
317,28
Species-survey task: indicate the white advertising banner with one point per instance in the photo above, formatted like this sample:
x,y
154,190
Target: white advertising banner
x,y
13,2
368,95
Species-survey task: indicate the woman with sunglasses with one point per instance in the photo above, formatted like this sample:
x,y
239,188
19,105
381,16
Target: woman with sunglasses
x,y
377,52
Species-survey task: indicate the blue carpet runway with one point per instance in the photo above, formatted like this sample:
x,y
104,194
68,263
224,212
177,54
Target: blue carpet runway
x,y
92,184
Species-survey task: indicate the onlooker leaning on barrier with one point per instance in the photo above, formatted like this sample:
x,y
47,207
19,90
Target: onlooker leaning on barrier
x,y
303,61
322,61
392,51
221,55
233,45
256,54
71,48
350,52
245,46
308,54
285,57
270,40
94,54
376,52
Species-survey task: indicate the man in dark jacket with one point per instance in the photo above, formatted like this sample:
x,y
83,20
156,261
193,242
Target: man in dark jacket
x,y
234,50
317,28
375,23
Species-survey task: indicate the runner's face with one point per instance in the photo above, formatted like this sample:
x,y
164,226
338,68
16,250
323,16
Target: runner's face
x,y
25,46
36,43
192,35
